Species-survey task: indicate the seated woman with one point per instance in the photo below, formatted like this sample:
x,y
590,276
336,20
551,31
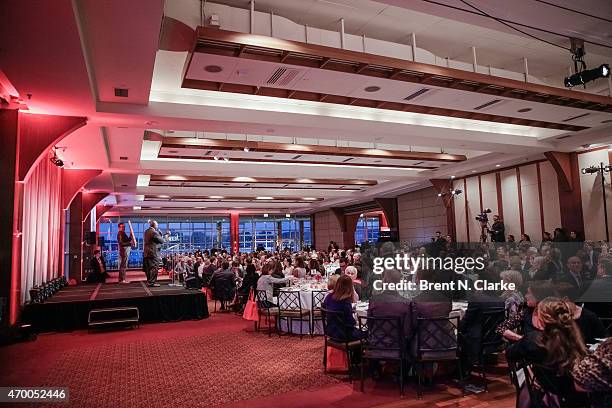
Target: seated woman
x,y
522,323
593,374
250,279
341,300
552,351
266,283
299,267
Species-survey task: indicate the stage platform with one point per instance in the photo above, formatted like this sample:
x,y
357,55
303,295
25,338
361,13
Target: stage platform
x,y
68,309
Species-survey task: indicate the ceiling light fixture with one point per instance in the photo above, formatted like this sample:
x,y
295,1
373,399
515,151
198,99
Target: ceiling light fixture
x,y
498,165
288,215
136,207
588,75
226,159
246,149
216,197
264,198
215,158
372,88
309,198
265,215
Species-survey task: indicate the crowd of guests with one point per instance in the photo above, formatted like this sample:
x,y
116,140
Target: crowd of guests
x,y
559,307
561,304
231,278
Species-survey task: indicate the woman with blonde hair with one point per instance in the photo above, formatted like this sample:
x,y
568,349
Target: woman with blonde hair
x,y
552,351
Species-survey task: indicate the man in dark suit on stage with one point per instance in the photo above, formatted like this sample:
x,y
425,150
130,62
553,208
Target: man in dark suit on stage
x,y
98,269
151,257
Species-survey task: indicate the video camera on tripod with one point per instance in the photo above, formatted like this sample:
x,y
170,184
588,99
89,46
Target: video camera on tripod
x,y
483,217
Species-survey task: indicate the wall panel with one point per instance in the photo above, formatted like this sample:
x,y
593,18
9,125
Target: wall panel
x,y
459,203
592,198
509,186
550,198
531,201
326,229
421,213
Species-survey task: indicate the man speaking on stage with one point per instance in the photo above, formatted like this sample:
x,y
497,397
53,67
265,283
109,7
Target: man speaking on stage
x,y
151,257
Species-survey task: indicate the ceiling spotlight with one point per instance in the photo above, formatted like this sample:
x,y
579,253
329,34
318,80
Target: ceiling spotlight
x,y
56,160
215,157
440,194
452,177
265,215
360,215
226,159
264,198
456,192
590,170
588,75
288,215
216,197
246,149
136,207
310,199
498,165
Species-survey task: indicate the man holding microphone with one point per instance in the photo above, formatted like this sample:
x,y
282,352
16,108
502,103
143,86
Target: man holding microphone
x,y
153,241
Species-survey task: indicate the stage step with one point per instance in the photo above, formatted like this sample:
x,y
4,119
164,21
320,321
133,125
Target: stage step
x,y
129,316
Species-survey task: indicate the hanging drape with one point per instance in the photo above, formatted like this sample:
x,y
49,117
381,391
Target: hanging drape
x,y
41,231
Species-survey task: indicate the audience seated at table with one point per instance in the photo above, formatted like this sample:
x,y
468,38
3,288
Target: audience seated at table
x,y
471,326
341,300
389,303
593,374
554,348
223,284
266,281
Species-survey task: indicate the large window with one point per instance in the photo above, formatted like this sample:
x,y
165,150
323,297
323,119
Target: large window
x,y
183,234
367,230
258,232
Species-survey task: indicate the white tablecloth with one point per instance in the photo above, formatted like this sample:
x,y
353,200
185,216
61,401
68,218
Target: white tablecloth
x,y
459,308
306,300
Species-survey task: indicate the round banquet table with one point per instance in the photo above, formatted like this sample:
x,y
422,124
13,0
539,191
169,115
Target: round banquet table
x,y
305,292
459,308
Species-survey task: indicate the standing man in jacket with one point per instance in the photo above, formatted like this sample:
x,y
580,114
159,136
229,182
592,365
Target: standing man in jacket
x,y
152,260
125,247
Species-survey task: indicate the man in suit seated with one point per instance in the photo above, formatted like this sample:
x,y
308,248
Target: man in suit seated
x,y
389,303
574,277
223,284
598,296
98,269
472,325
430,304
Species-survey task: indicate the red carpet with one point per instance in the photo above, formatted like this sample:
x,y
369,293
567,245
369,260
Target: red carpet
x,y
214,362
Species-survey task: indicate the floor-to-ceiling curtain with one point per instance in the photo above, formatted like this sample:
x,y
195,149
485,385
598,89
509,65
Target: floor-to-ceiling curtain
x,y
41,227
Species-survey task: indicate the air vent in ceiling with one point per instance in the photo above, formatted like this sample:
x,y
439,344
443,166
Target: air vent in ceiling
x,y
346,160
173,151
282,76
123,158
296,157
575,117
417,94
213,69
564,137
486,105
121,92
417,163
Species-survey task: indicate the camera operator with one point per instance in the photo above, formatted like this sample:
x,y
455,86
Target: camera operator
x,y
497,230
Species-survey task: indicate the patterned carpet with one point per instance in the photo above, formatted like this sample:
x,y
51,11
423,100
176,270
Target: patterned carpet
x,y
203,371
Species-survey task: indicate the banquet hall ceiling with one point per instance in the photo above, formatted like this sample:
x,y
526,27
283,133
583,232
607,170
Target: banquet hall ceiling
x,y
82,50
